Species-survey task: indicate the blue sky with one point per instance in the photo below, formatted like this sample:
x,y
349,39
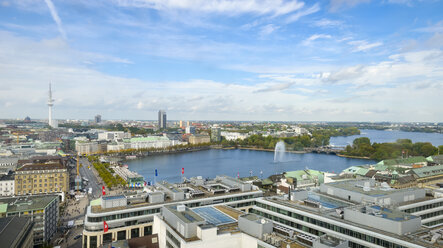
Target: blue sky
x,y
338,60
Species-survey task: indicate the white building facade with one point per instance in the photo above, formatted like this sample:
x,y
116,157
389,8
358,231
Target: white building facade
x,y
7,185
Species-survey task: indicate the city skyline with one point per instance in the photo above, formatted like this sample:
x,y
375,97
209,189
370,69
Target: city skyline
x,y
223,60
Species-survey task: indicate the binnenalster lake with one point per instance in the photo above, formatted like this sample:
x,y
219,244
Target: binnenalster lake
x,y
210,163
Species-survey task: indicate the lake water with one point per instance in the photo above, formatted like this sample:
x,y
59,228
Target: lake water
x,y
211,163
380,136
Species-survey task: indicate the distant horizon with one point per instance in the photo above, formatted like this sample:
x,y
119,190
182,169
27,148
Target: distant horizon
x,y
185,120
285,60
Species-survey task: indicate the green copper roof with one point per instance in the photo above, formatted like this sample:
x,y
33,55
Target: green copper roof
x,y
411,160
362,171
3,208
352,169
96,202
266,181
310,174
428,171
380,167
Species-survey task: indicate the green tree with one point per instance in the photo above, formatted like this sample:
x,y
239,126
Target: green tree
x,y
360,141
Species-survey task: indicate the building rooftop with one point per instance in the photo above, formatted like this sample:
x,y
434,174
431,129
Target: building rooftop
x,y
7,177
196,191
374,189
304,174
438,159
25,203
333,215
10,227
42,166
213,215
428,171
149,138
8,160
404,161
385,213
186,215
113,197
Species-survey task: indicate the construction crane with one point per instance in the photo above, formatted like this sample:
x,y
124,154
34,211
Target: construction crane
x,y
17,134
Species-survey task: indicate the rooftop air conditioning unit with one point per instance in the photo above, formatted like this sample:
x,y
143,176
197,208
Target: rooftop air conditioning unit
x,y
181,208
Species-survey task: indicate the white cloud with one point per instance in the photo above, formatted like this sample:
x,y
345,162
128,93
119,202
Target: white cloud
x,y
327,23
362,45
336,5
56,18
436,28
313,9
319,36
230,7
316,37
268,29
401,69
406,2
274,87
378,91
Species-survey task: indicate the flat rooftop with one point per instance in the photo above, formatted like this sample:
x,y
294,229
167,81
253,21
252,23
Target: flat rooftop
x,y
331,214
25,203
376,191
213,215
187,216
385,213
42,166
113,197
205,195
10,227
327,201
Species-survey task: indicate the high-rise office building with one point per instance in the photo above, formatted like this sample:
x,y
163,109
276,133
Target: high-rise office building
x,y
98,119
162,119
181,124
216,134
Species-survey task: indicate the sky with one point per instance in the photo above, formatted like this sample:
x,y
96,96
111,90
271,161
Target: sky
x,y
261,60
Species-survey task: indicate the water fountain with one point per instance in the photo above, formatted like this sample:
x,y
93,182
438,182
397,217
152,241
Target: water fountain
x,y
280,152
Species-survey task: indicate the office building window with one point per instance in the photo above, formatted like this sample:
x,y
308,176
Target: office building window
x,y
107,238
121,235
135,233
148,230
93,241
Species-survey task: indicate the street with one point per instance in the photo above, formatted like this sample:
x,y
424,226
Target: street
x,y
89,174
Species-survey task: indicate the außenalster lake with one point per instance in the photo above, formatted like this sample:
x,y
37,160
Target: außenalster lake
x,y
211,163
380,136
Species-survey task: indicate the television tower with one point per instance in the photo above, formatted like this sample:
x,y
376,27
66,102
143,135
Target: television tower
x,y
50,104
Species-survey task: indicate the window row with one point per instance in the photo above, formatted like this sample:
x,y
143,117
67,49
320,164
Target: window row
x,y
323,224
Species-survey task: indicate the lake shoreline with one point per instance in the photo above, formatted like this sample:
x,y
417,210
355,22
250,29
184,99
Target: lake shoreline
x,y
349,156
